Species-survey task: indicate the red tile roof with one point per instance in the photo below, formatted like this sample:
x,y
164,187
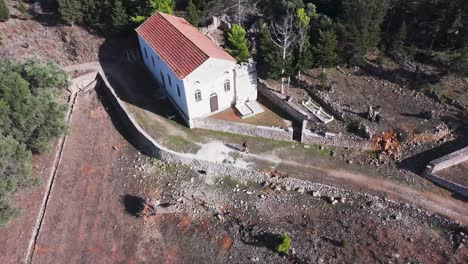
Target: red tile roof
x,y
180,45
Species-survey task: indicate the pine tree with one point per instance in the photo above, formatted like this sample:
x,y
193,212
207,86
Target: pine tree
x,y
362,21
119,16
326,48
152,6
4,11
305,59
269,55
70,11
192,14
238,43
400,37
165,6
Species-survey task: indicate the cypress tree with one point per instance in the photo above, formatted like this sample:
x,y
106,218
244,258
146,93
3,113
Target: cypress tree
x,y
400,37
4,11
269,55
238,43
362,22
326,48
70,11
305,60
119,16
192,14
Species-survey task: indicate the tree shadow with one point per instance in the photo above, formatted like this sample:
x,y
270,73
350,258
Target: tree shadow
x,y
423,115
359,114
270,241
133,205
334,242
401,76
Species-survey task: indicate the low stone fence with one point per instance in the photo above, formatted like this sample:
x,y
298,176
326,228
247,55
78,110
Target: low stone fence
x,y
275,133
447,161
308,137
280,101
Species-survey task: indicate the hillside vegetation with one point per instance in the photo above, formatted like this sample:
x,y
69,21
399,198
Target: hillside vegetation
x,y
31,117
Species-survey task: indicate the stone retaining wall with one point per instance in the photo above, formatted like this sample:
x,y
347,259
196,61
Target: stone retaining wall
x,y
280,101
283,134
309,137
449,185
447,161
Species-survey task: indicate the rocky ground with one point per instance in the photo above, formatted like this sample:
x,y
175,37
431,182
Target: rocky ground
x,y
232,221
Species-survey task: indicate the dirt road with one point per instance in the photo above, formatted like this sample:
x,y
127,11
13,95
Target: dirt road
x,y
447,206
85,204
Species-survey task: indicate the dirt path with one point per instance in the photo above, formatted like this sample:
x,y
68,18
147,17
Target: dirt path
x,y
85,221
454,209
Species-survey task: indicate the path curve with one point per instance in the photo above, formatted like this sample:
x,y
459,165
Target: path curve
x,y
454,209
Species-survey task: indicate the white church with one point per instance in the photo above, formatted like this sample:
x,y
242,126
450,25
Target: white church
x,y
199,77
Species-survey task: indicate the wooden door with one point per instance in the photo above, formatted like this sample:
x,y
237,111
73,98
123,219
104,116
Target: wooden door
x,y
214,102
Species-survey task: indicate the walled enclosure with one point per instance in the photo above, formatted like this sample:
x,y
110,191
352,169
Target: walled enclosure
x,y
308,137
280,101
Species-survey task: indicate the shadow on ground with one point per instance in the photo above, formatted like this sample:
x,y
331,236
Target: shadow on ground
x,y
418,162
133,205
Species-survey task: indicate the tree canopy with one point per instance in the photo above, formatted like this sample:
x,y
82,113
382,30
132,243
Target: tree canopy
x,y
31,117
192,13
238,43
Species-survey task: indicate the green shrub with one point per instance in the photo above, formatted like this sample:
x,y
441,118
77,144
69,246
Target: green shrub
x,y
283,244
23,9
7,212
4,11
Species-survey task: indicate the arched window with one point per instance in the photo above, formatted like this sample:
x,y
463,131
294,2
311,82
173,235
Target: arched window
x,y
227,85
198,97
146,53
178,90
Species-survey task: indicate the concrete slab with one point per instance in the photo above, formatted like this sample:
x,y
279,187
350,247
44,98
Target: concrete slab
x,y
255,107
243,110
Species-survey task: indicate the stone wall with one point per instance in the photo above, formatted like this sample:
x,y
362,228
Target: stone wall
x,y
280,101
449,185
447,161
275,133
329,139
